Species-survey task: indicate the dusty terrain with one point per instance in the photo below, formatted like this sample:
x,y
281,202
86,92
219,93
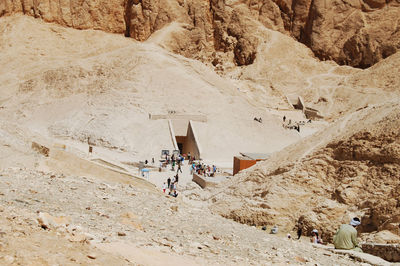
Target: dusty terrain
x,y
80,81
134,223
351,169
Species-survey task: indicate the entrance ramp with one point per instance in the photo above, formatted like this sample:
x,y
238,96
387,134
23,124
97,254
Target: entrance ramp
x,y
184,137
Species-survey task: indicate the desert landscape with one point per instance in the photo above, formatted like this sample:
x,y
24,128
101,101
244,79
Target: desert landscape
x,y
90,90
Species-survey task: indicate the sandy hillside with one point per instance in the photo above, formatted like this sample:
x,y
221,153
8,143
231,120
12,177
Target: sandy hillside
x,y
349,169
79,85
64,88
74,85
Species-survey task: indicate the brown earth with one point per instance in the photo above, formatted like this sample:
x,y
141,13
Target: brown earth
x,y
355,33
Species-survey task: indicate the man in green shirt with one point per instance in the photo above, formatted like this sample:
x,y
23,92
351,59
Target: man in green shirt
x,y
346,236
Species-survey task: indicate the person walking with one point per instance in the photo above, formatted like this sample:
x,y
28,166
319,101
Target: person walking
x,y
299,229
164,187
192,168
179,168
169,182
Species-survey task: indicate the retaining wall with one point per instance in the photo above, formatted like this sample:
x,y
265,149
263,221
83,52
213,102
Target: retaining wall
x,y
202,181
200,118
389,252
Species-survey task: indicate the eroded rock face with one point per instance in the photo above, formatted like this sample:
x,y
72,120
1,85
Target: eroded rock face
x,y
353,175
356,33
80,14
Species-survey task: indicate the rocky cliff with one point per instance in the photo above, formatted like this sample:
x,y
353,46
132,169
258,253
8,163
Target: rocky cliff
x,y
80,14
356,33
349,170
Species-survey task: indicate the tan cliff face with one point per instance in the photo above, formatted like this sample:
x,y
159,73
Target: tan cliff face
x,y
325,180
86,14
349,32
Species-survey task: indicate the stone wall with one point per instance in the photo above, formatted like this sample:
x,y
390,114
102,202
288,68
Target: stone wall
x,y
385,251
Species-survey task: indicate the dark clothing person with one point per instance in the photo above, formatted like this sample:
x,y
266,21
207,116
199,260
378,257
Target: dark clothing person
x,y
299,230
169,181
179,168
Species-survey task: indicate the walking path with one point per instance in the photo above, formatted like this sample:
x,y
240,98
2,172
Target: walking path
x,y
158,178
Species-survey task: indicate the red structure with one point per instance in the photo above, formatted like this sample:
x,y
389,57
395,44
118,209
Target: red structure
x,y
247,160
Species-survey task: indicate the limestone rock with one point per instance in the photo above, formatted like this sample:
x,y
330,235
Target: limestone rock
x,y
9,259
47,221
356,174
77,238
354,33
350,32
86,14
131,220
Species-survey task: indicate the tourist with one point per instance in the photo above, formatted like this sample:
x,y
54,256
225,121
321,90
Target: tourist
x,y
176,178
164,187
146,162
189,157
274,230
284,119
169,181
173,194
315,239
179,168
299,229
346,236
192,168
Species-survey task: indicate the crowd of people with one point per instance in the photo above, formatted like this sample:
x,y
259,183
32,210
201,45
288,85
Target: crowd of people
x,y
289,124
176,161
202,169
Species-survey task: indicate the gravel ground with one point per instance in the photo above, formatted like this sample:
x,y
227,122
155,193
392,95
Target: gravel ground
x,y
110,213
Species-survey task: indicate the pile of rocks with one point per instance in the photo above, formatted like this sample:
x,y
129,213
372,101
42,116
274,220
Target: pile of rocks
x,y
85,211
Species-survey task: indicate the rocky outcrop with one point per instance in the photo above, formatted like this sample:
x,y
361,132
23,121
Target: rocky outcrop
x,y
356,174
351,33
356,33
80,14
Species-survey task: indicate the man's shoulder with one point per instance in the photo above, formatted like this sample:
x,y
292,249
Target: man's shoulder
x,y
348,227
